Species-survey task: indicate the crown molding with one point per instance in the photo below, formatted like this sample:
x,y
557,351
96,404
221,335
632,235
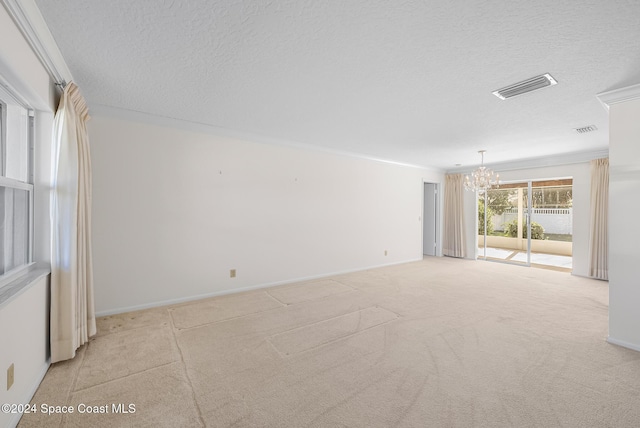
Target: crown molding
x,y
628,93
29,20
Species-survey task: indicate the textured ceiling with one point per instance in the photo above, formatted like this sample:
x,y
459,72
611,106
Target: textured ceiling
x,y
406,81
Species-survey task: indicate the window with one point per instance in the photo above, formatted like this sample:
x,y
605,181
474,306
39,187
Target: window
x,y
16,186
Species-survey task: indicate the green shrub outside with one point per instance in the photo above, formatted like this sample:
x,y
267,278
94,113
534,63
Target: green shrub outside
x,y
511,229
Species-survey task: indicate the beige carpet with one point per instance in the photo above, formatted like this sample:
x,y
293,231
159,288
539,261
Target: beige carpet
x,y
437,343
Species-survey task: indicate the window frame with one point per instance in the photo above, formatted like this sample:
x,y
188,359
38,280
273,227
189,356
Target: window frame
x,y
7,95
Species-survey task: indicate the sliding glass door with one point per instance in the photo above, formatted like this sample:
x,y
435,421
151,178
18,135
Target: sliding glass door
x,y
527,223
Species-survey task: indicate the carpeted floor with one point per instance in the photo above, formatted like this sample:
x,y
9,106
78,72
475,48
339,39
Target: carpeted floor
x,y
437,343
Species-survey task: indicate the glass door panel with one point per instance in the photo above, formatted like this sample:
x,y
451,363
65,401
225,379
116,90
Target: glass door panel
x,y
505,236
551,223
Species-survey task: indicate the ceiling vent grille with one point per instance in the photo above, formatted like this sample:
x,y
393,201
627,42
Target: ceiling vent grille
x,y
525,86
586,129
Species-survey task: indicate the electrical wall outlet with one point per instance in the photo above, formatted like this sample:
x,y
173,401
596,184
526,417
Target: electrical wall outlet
x,y
10,376
232,273
385,252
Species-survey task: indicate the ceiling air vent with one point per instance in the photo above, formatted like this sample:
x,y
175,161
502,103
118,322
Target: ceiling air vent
x,y
525,86
586,129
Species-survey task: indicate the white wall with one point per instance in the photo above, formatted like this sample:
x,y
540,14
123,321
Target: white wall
x,y
624,258
581,211
24,318
174,210
23,323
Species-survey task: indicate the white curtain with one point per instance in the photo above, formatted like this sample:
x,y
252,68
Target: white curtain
x,y
453,239
599,242
72,306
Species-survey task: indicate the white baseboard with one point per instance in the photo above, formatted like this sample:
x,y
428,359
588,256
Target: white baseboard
x,y
238,290
614,341
13,422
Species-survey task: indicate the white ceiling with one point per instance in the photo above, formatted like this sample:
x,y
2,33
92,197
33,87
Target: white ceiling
x,y
406,81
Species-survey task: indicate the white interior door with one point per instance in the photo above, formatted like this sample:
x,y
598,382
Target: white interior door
x,y
430,225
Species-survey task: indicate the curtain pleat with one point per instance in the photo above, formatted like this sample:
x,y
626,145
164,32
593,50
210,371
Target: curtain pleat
x,y
72,301
599,242
453,239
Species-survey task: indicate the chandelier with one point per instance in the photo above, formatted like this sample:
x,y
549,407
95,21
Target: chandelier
x,y
482,178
